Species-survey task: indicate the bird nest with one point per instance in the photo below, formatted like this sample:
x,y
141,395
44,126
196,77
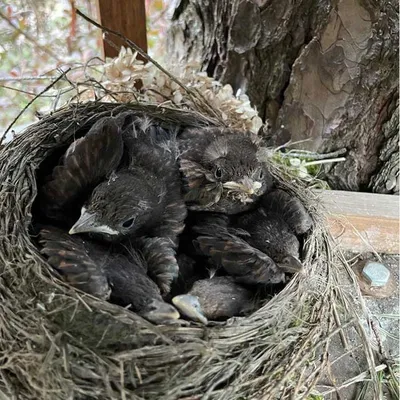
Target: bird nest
x,y
59,343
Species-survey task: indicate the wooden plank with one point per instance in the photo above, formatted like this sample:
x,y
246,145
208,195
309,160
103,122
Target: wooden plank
x,y
363,222
126,17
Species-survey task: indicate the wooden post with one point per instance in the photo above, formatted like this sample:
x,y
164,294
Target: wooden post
x,y
363,222
127,17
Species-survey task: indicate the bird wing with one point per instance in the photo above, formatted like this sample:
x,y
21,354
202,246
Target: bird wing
x,y
86,162
246,263
162,266
173,218
69,255
290,208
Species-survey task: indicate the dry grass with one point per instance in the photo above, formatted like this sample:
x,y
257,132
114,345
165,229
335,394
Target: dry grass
x,y
58,343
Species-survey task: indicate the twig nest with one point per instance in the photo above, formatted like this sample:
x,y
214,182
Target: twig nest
x,y
61,343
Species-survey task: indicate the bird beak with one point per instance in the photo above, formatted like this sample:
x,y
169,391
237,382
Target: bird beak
x,y
161,313
291,265
246,185
190,306
87,223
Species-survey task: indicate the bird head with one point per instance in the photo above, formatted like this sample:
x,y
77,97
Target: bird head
x,y
226,171
160,312
290,264
121,206
189,306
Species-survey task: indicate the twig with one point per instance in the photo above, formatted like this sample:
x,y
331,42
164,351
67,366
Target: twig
x,y
290,143
359,378
338,324
375,330
133,45
331,160
312,155
27,78
36,97
22,91
29,38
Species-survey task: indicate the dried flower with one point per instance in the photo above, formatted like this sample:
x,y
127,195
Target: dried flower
x,y
123,75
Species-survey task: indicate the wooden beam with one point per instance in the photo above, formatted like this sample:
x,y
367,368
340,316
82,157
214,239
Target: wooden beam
x,y
363,222
127,17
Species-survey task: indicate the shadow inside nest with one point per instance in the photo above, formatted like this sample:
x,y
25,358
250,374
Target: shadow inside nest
x,y
80,346
207,266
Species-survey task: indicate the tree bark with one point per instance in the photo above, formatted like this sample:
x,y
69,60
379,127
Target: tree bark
x,y
324,70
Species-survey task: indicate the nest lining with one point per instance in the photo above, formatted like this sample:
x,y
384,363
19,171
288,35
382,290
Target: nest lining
x,y
58,343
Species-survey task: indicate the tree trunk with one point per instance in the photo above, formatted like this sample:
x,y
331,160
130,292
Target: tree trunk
x,y
323,70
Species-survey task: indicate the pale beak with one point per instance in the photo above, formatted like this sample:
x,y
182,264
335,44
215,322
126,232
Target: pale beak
x,y
291,265
161,313
246,185
190,306
87,223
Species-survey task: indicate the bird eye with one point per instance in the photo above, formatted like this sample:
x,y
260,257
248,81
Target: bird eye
x,y
218,173
128,223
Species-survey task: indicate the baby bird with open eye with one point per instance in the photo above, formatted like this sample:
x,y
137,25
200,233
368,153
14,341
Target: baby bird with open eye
x,y
129,170
221,170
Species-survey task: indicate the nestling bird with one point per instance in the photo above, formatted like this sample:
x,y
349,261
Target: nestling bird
x,y
289,208
259,246
220,166
106,274
221,170
227,248
131,168
217,298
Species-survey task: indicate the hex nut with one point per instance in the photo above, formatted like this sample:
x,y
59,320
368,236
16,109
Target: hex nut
x,y
376,274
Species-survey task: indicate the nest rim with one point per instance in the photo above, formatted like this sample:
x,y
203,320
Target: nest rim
x,y
224,350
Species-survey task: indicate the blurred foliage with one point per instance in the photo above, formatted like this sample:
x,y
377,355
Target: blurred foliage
x,y
158,16
41,38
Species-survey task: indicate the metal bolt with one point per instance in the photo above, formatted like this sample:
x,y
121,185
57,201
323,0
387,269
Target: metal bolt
x,y
376,274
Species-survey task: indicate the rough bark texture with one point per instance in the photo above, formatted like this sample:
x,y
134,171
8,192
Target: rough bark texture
x,y
386,180
320,69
